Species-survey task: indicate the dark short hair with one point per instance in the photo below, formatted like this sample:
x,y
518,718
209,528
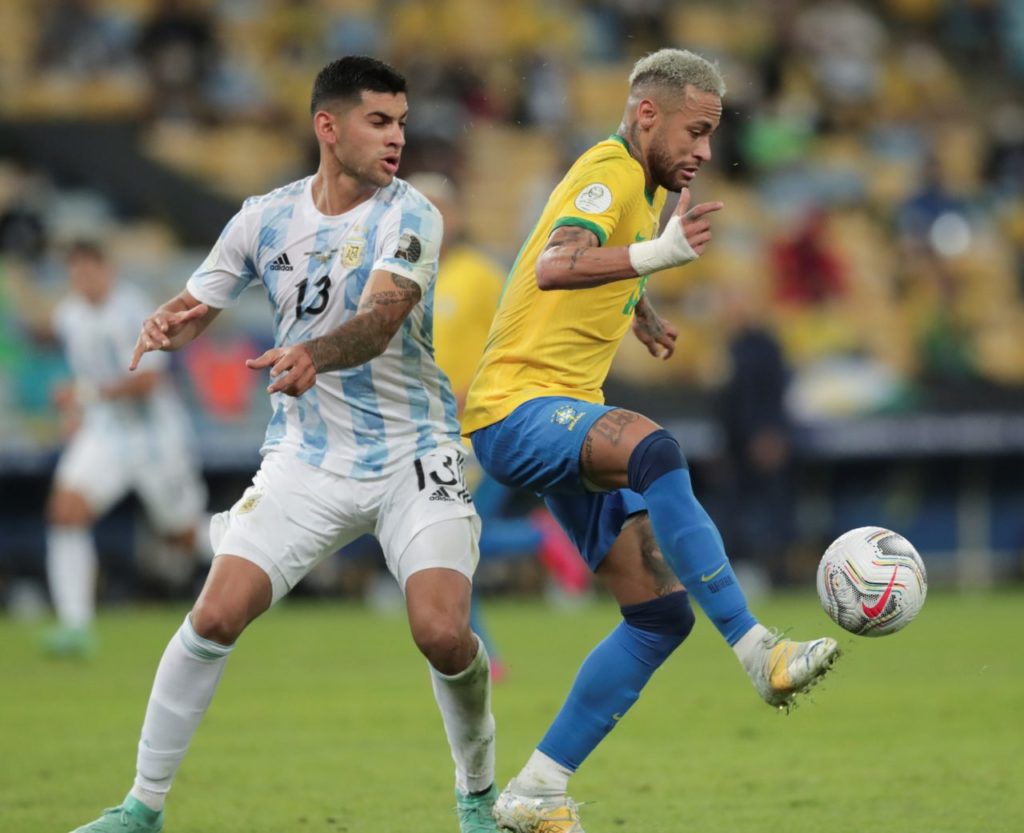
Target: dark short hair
x,y
346,78
84,247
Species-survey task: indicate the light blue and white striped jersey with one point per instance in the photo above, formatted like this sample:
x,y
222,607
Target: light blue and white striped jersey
x,y
98,341
366,421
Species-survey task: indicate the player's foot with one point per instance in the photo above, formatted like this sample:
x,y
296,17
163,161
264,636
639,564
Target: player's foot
x,y
78,643
523,814
130,817
782,669
559,556
475,811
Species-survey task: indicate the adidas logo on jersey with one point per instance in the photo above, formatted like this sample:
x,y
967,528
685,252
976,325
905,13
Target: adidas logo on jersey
x,y
281,263
441,493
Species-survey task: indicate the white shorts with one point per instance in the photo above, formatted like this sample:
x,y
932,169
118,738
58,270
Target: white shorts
x,y
104,468
294,515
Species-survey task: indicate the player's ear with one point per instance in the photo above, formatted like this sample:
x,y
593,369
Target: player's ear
x,y
324,127
646,113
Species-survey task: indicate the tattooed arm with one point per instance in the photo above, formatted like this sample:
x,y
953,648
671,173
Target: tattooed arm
x,y
572,259
657,334
387,300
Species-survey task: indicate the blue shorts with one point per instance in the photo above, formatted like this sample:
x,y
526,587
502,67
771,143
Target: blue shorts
x,y
537,447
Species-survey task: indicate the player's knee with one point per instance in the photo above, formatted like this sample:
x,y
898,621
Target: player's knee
x,y
217,621
655,455
671,617
442,640
68,508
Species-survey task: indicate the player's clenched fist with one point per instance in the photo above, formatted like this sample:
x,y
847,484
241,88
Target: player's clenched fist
x,y
165,330
291,369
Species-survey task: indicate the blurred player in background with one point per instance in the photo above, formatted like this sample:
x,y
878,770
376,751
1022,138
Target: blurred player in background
x,y
617,481
130,432
363,437
466,296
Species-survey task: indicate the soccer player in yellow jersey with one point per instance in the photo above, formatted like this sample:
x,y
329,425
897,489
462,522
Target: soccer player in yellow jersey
x,y
616,481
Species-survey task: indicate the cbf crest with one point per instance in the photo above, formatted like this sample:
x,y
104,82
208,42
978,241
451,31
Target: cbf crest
x,y
566,415
352,253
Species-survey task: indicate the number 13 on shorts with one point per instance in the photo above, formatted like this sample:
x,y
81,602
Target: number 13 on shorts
x,y
441,473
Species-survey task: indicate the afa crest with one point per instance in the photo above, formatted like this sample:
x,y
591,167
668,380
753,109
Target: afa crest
x,y
352,253
249,501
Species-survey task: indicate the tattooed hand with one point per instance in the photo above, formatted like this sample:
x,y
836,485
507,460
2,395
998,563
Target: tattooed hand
x,y
657,334
291,369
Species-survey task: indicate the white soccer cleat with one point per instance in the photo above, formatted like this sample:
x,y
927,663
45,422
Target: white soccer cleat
x,y
523,814
784,668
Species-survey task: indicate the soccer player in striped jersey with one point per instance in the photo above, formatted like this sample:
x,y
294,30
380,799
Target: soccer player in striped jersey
x,y
617,481
363,437
133,435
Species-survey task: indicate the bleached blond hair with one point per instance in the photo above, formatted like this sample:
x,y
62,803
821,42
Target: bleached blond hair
x,y
676,68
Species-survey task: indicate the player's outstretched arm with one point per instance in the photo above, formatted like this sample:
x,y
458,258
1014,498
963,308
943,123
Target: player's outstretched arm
x,y
173,325
386,302
573,259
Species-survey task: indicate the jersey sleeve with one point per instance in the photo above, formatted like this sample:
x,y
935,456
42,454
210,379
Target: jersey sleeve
x,y
596,196
410,242
228,269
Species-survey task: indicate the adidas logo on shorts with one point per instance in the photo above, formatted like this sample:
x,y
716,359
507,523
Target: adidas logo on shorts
x,y
442,494
281,263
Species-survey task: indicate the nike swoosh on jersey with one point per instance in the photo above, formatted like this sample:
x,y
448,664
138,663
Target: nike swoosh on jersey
x,y
715,573
879,606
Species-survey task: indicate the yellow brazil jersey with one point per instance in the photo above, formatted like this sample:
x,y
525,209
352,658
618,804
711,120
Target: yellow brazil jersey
x,y
465,298
562,342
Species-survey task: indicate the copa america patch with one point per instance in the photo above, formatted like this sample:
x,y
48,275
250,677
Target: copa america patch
x,y
409,247
596,198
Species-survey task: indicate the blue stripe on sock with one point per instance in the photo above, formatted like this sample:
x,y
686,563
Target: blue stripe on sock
x,y
693,548
607,685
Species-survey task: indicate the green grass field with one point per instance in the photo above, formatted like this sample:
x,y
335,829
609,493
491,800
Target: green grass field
x,y
325,722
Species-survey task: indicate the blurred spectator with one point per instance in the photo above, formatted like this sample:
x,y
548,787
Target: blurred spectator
x,y
178,46
759,483
78,38
23,232
930,203
844,42
807,271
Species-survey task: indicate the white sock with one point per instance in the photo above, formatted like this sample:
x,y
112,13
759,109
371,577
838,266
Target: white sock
x,y
465,703
185,682
748,647
71,571
542,777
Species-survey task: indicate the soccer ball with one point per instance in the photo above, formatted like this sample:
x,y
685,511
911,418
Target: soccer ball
x,y
871,581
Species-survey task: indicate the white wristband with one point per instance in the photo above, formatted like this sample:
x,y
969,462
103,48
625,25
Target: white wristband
x,y
668,250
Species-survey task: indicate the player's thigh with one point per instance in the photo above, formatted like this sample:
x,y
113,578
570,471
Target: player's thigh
x,y
292,517
634,570
411,526
92,466
608,446
436,571
171,490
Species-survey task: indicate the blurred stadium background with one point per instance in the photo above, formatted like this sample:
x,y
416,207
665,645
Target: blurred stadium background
x,y
852,345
